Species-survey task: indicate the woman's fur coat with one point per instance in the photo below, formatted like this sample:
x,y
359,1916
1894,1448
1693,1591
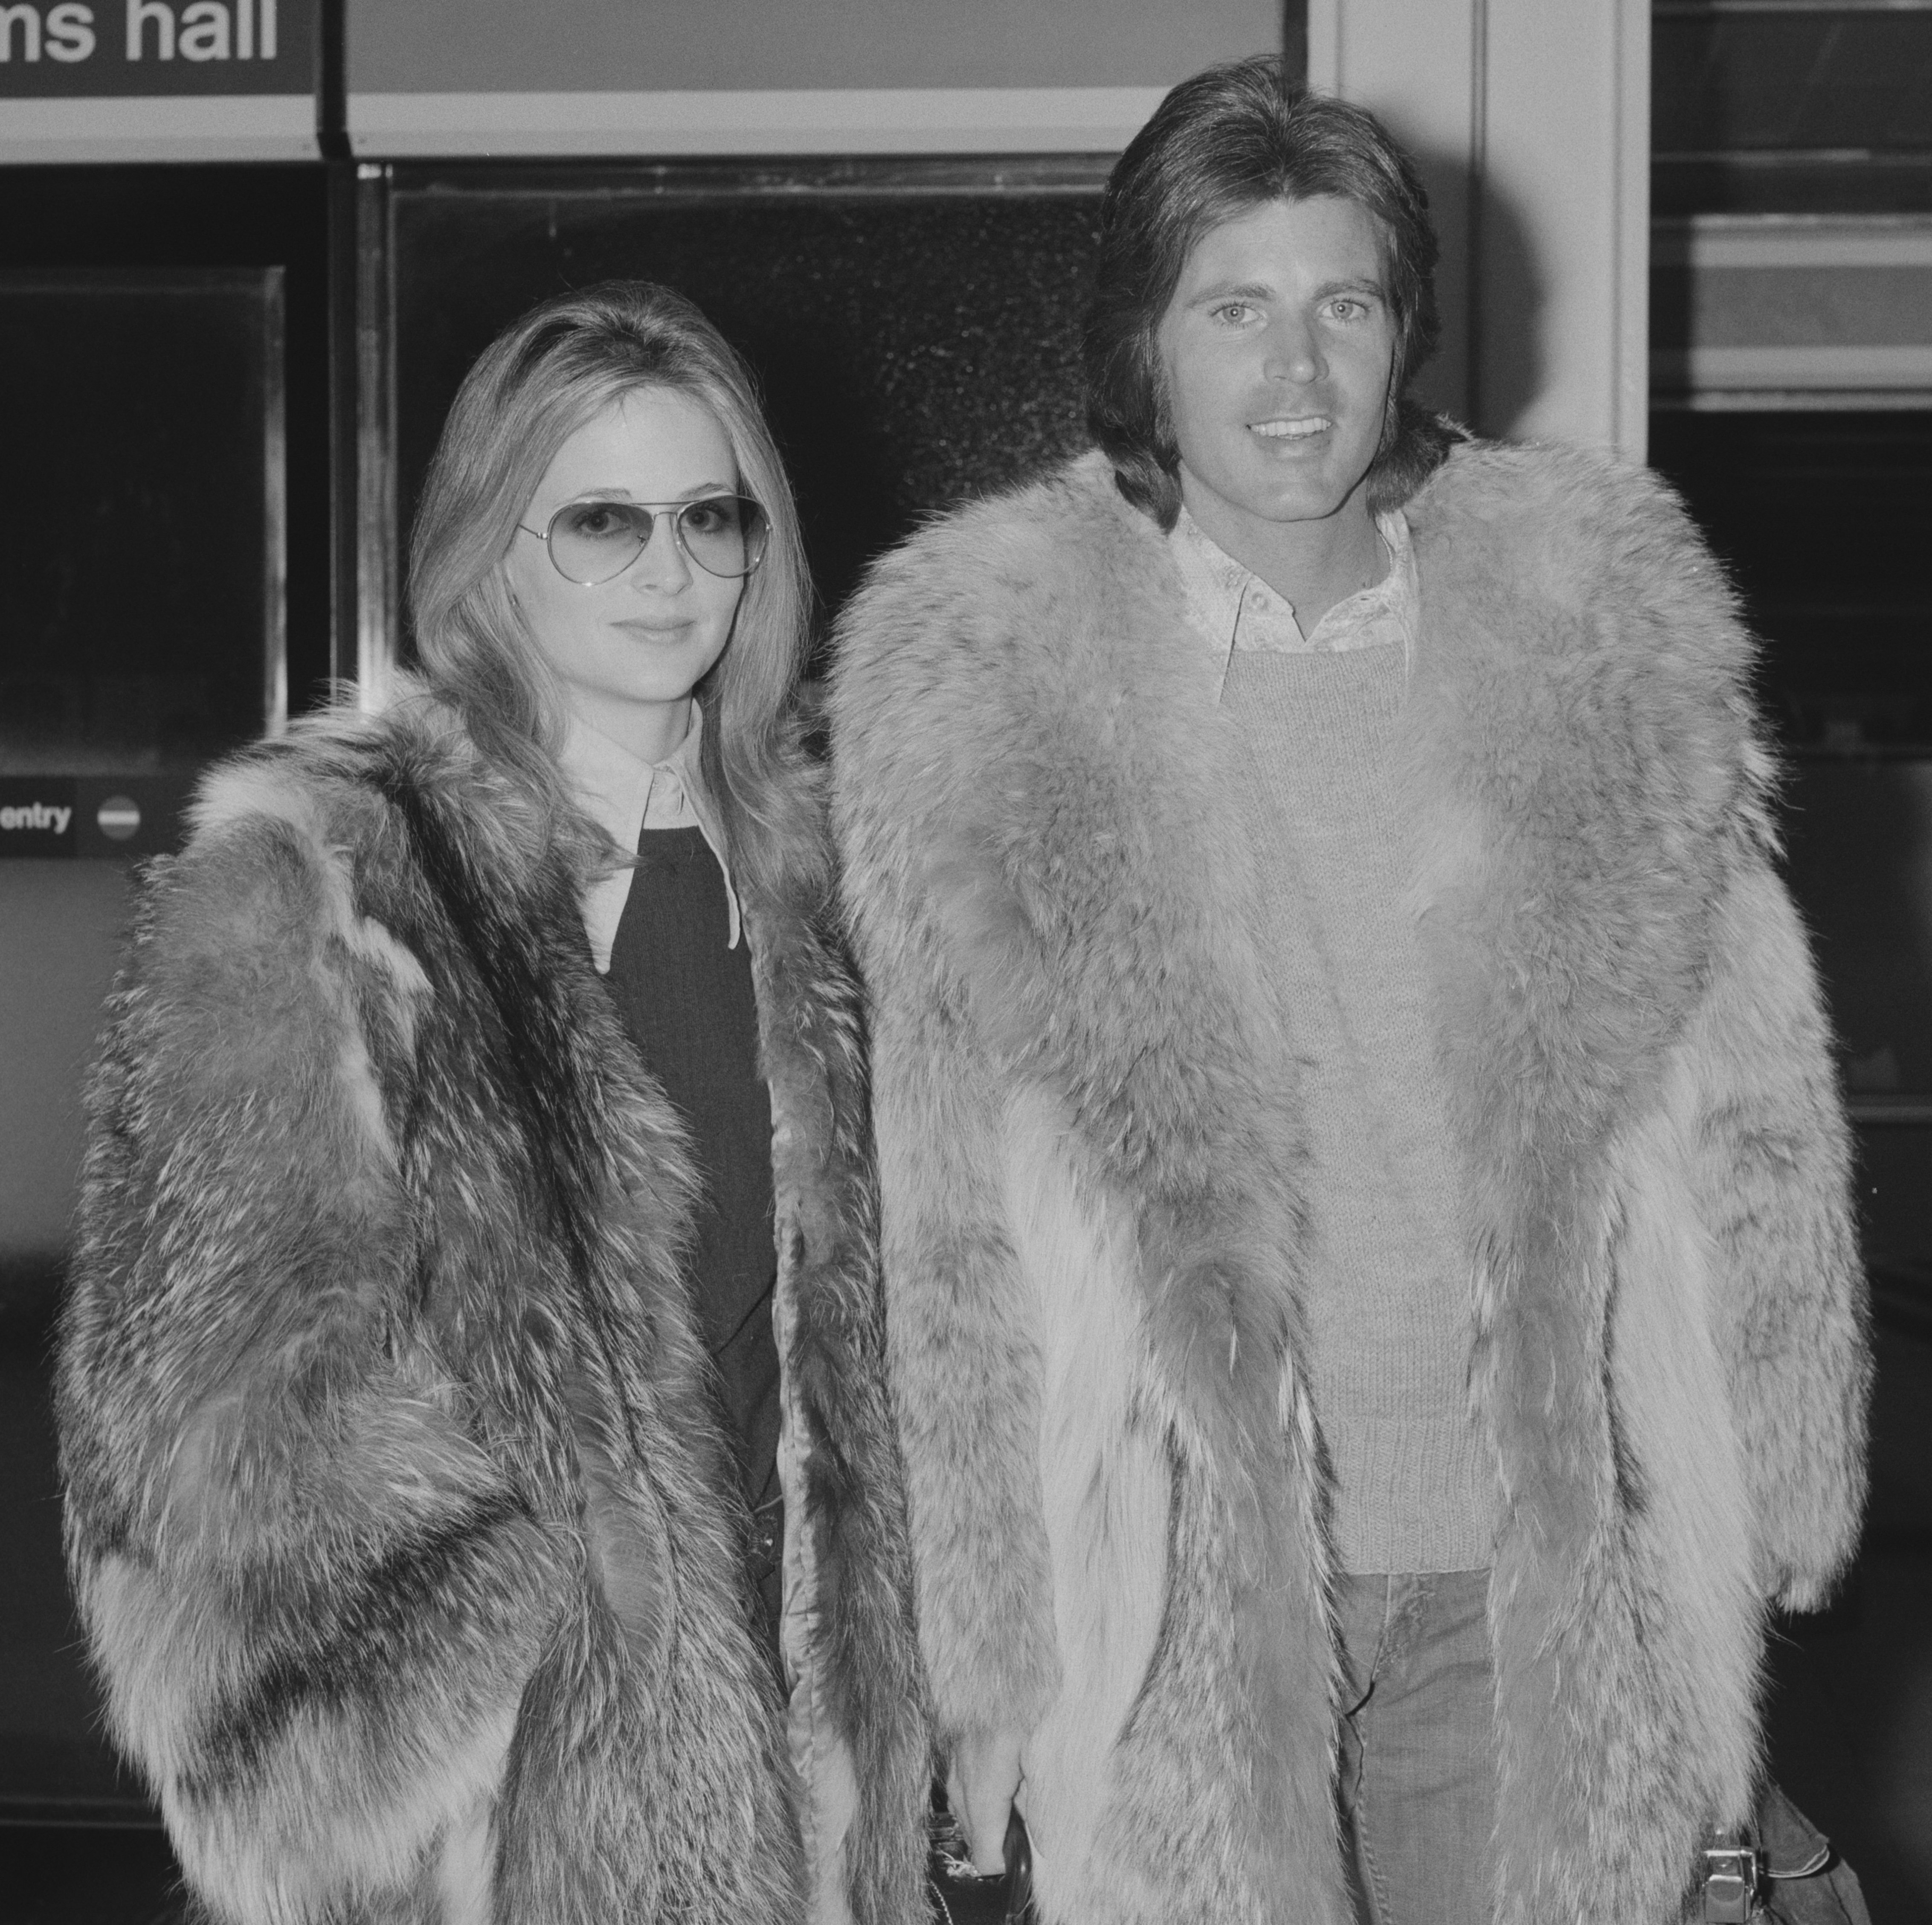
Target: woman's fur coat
x,y
399,1505
1092,1213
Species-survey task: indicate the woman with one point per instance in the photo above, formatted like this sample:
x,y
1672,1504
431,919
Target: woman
x,y
426,1438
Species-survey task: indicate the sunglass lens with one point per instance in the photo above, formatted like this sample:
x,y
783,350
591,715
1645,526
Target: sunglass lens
x,y
592,541
724,533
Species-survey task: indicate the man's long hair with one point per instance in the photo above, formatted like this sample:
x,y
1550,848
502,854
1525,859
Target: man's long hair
x,y
1233,138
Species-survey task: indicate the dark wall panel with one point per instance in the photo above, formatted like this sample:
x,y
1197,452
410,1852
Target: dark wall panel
x,y
141,615
916,333
1822,517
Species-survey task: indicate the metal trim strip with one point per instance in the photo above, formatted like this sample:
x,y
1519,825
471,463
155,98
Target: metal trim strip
x,y
164,126
863,120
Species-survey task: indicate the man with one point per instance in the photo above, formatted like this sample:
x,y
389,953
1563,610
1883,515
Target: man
x,y
1371,1303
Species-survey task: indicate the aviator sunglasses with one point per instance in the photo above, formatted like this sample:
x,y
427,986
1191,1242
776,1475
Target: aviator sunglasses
x,y
594,542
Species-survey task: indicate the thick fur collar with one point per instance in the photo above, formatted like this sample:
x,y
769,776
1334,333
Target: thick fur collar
x,y
1048,887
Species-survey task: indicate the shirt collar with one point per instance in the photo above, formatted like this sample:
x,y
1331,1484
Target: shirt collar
x,y
1230,607
625,795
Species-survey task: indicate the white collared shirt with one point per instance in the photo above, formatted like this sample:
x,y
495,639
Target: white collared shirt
x,y
625,797
1230,607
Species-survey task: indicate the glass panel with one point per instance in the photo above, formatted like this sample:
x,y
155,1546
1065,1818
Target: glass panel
x,y
1734,79
141,607
1791,106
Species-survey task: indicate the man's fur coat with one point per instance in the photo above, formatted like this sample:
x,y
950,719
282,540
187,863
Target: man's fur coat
x,y
399,1505
1092,1212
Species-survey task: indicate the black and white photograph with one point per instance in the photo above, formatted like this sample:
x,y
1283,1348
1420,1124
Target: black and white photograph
x,y
966,961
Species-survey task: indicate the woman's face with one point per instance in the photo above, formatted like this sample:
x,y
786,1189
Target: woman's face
x,y
627,652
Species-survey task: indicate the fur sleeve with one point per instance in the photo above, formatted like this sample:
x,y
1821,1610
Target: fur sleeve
x,y
859,1717
1774,1172
962,1351
312,1597
966,1369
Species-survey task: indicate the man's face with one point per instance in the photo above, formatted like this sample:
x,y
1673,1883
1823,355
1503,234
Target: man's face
x,y
1277,346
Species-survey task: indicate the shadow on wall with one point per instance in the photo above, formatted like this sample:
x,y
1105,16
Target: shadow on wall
x,y
1509,363
1490,366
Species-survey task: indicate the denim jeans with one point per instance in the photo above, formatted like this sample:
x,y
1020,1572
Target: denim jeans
x,y
1418,1748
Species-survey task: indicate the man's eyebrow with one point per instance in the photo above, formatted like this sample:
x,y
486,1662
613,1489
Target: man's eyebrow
x,y
1261,290
1232,290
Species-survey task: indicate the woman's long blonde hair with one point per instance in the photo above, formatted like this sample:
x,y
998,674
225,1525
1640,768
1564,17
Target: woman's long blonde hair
x,y
532,388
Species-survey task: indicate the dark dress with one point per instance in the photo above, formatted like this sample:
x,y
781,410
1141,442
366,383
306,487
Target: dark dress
x,y
688,1003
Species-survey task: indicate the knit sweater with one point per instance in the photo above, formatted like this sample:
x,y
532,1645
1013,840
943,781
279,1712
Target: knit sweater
x,y
1389,1304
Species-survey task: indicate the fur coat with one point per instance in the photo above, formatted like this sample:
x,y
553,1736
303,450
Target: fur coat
x,y
1092,1221
399,1509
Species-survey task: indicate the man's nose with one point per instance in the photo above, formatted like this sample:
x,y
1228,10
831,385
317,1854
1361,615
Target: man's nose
x,y
1293,352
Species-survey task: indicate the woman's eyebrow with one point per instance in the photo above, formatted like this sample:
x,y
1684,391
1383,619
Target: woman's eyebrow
x,y
617,491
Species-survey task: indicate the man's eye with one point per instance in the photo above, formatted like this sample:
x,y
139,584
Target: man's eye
x,y
1233,312
1347,308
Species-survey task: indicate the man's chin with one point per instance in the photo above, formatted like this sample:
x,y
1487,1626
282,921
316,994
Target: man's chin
x,y
1284,507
